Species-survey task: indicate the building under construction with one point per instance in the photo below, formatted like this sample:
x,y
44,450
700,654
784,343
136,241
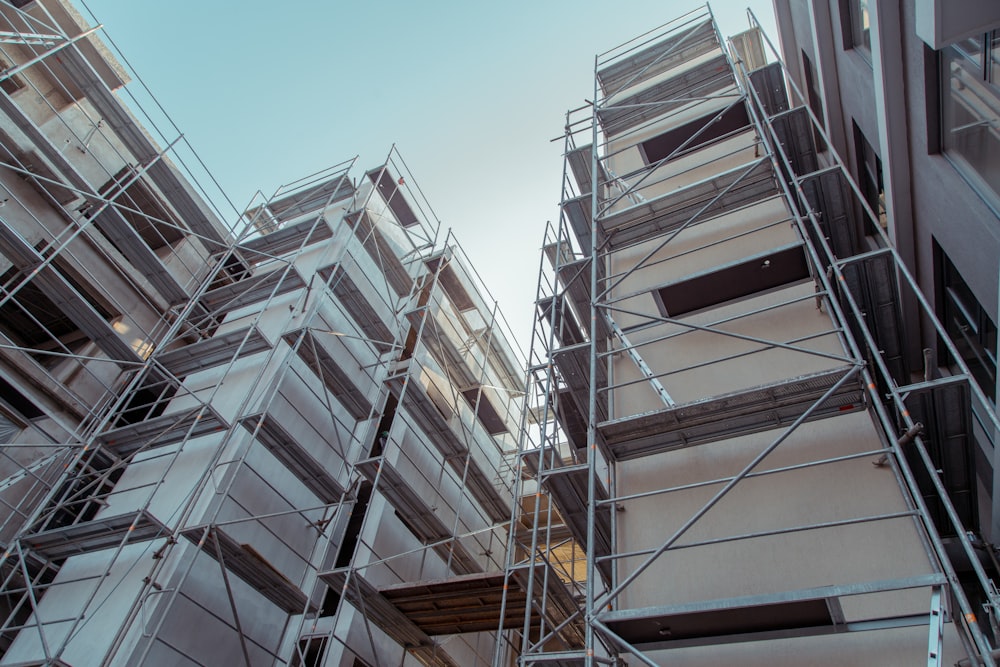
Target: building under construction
x,y
733,455
304,438
217,437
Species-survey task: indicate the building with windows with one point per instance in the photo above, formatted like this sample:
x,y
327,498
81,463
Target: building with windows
x,y
763,379
757,426
909,96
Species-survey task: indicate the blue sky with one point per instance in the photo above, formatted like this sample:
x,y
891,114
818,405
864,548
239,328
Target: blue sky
x,y
471,94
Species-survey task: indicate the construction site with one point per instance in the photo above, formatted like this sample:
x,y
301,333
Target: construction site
x,y
305,435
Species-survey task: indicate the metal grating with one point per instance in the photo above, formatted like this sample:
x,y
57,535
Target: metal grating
x,y
872,281
743,185
795,134
727,415
252,289
944,407
769,83
96,535
287,239
167,429
212,352
799,613
676,49
376,608
829,195
620,114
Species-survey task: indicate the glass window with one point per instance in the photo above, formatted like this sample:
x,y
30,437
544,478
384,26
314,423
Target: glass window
x,y
861,36
993,61
970,116
968,325
870,176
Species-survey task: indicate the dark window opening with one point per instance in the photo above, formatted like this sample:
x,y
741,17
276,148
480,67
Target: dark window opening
x,y
967,323
149,400
485,412
815,100
18,401
384,426
737,281
32,320
310,652
352,535
142,208
410,344
856,22
410,527
388,187
328,607
932,98
345,552
730,121
869,172
970,104
81,496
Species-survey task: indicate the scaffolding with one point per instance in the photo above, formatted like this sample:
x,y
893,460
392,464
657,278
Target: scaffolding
x,y
99,239
216,436
719,358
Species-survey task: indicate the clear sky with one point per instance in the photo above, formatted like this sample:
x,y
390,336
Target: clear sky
x,y
471,93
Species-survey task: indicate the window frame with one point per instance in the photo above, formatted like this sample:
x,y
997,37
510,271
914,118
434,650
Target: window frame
x,y
870,175
961,313
976,66
856,36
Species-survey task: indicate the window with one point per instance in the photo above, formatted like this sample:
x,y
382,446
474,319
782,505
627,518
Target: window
x,y
142,208
870,175
857,26
970,118
310,651
968,325
815,100
696,134
32,320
